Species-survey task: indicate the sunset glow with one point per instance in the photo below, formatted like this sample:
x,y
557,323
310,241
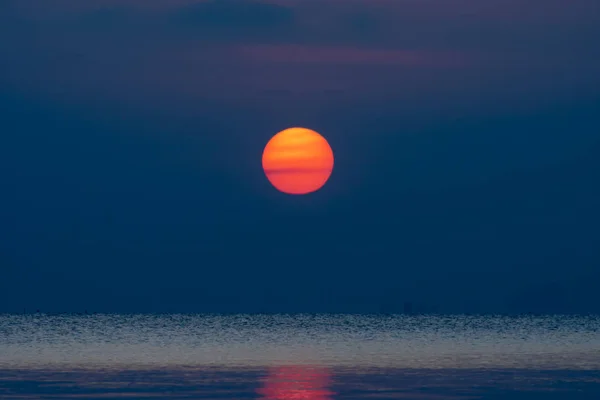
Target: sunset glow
x,y
298,161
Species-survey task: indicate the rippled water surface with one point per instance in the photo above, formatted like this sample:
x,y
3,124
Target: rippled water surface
x,y
299,357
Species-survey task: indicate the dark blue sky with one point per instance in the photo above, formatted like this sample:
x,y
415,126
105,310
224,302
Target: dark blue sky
x,y
466,139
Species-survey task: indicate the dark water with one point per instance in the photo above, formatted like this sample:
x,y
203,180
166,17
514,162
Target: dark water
x,y
298,357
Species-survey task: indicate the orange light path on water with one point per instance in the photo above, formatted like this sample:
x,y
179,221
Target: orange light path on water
x,y
297,383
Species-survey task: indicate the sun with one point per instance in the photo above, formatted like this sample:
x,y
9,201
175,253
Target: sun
x,y
297,161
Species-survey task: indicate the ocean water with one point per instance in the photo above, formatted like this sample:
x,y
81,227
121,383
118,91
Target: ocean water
x,y
316,357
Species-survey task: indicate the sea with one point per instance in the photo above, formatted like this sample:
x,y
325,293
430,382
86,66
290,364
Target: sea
x,y
300,356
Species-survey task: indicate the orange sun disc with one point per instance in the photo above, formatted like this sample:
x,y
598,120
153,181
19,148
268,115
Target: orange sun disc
x,y
297,161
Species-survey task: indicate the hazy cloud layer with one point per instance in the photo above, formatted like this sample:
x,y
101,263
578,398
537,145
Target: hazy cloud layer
x,y
150,51
491,25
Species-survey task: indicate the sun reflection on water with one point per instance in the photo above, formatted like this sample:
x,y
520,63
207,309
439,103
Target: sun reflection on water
x,y
297,383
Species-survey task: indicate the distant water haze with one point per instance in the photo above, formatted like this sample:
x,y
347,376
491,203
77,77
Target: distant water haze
x,y
268,341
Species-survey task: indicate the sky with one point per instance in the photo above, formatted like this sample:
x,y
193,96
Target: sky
x,y
466,137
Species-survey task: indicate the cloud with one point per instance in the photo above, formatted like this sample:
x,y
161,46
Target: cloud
x,y
343,55
243,20
538,26
427,51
